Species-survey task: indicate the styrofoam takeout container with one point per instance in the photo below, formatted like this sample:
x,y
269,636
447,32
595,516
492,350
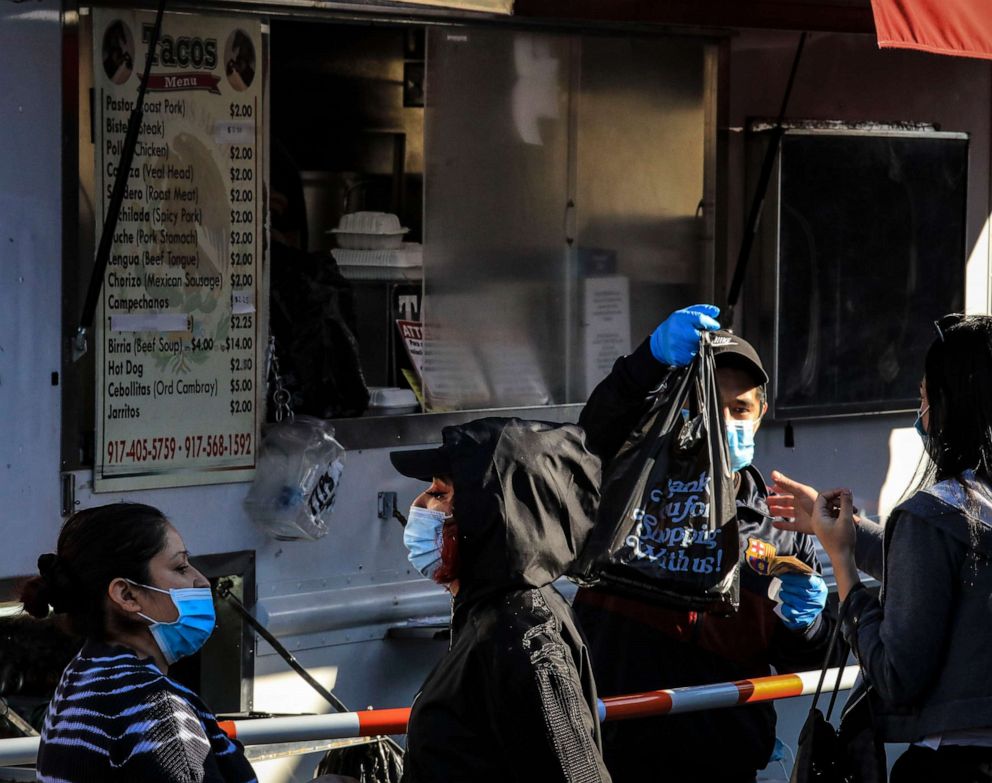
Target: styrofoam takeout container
x,y
407,254
358,241
369,231
391,400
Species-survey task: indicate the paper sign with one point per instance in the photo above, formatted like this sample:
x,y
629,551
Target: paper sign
x,y
234,132
152,322
177,359
242,302
412,334
606,326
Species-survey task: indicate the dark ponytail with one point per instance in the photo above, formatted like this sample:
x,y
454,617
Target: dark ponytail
x,y
95,547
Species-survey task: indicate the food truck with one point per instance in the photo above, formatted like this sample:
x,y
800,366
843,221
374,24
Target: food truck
x,y
454,210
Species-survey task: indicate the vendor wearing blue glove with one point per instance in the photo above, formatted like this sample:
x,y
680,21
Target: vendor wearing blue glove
x,y
640,645
799,599
675,341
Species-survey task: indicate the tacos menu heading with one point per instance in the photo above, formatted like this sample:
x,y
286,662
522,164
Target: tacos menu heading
x,y
183,51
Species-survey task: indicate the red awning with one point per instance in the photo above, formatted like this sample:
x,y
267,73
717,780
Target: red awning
x,y
958,27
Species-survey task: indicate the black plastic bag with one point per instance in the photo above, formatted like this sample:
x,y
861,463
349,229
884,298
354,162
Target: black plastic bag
x,y
376,761
667,524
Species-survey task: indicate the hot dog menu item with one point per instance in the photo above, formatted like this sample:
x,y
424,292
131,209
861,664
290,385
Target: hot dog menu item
x,y
178,365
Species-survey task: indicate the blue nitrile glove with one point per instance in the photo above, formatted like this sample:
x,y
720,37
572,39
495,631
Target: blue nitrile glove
x,y
676,340
799,598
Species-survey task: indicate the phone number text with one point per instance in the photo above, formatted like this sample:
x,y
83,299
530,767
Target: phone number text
x,y
168,448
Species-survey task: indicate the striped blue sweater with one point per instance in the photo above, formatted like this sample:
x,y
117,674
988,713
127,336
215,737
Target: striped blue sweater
x,y
115,718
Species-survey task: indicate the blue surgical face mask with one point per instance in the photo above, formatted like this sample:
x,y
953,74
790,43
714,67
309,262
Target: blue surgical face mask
x,y
422,538
918,425
191,629
740,440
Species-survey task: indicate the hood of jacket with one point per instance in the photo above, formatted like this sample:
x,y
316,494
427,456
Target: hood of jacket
x,y
947,503
525,499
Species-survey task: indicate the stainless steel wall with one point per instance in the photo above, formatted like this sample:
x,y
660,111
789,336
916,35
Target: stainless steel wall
x,y
555,162
30,271
642,180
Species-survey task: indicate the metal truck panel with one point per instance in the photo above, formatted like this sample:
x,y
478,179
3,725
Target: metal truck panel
x,y
30,274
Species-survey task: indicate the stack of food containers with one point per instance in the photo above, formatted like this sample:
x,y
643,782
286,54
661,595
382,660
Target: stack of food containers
x,y
371,247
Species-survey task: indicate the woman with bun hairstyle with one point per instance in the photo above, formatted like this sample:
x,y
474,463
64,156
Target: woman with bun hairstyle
x,y
121,575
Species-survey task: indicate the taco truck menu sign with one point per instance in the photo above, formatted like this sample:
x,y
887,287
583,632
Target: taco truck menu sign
x,y
177,354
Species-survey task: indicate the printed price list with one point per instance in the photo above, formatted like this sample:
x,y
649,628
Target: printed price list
x,y
178,351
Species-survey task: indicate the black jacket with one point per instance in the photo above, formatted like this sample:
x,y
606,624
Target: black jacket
x,y
514,698
639,646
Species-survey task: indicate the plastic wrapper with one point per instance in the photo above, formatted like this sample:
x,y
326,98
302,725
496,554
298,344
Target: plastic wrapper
x,y
377,761
296,479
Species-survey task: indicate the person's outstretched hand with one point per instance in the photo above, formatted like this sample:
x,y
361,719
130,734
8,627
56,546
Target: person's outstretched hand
x,y
833,523
675,341
793,502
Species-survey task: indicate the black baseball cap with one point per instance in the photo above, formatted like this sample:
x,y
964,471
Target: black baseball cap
x,y
729,350
422,464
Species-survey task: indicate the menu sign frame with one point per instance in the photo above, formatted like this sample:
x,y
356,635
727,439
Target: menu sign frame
x,y
180,331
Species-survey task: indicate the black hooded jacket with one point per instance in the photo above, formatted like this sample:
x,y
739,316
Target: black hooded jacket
x,y
514,699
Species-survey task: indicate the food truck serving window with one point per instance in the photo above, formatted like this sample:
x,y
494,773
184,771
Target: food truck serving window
x,y
497,237
407,219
